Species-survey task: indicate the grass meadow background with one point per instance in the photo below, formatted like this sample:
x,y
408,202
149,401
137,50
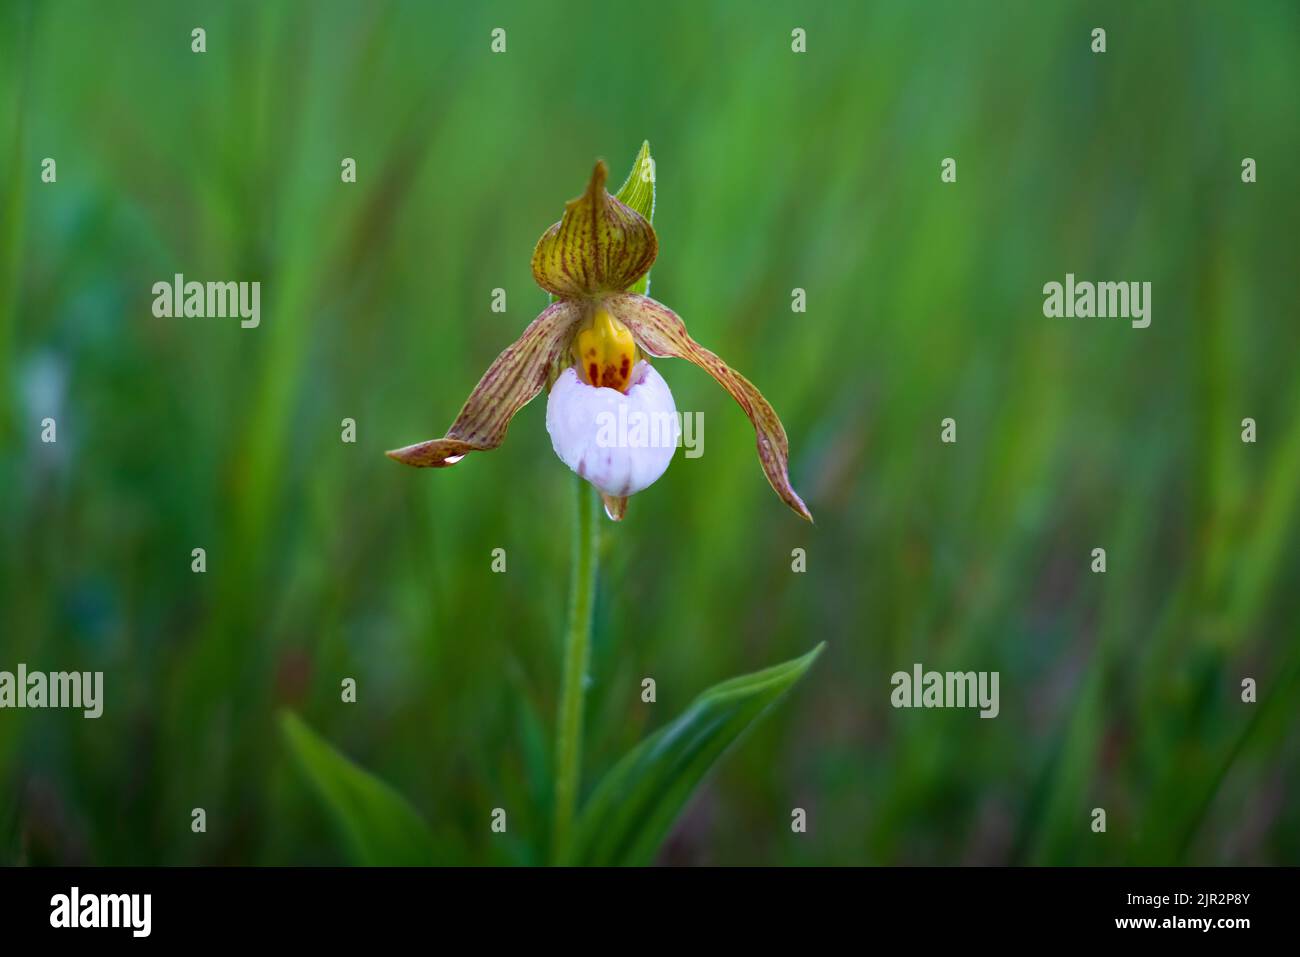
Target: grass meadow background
x,y
775,170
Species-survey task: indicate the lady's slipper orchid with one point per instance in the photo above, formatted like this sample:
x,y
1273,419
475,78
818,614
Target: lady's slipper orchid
x,y
588,348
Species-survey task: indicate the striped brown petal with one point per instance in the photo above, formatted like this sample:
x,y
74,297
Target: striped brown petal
x,y
660,332
600,246
510,383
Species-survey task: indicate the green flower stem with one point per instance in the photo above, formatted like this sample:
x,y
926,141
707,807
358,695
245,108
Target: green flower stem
x,y
577,651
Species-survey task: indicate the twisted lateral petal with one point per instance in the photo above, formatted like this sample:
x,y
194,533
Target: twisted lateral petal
x,y
510,383
660,332
599,246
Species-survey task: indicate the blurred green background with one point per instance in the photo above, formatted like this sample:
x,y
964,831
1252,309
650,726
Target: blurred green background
x,y
775,171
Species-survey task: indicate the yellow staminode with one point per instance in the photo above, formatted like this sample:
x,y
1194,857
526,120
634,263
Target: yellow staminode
x,y
605,352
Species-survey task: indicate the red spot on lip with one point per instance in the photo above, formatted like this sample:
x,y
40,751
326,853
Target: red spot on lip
x,y
593,374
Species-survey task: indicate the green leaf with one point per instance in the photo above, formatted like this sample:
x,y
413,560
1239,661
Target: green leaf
x,y
380,827
634,807
639,193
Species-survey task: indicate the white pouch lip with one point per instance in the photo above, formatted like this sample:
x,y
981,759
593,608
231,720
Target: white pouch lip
x,y
620,443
